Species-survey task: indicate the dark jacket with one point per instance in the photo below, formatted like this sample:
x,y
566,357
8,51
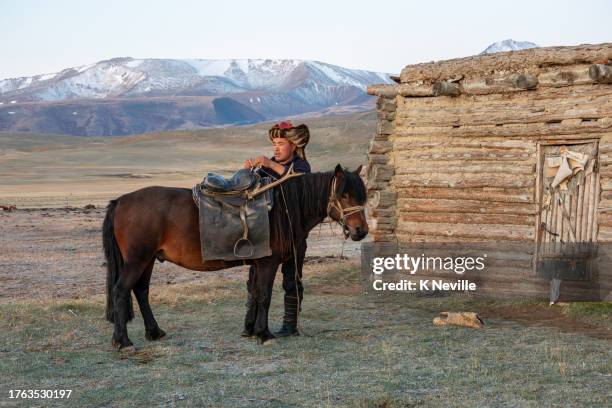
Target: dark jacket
x,y
299,166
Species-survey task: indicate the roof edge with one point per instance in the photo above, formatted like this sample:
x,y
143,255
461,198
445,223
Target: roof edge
x,y
533,61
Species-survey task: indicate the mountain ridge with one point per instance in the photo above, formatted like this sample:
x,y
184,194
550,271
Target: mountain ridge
x,y
126,76
122,96
125,95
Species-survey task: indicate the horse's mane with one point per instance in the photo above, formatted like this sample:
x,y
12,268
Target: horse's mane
x,y
307,197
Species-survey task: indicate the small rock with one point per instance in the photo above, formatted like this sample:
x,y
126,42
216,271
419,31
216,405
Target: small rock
x,y
89,207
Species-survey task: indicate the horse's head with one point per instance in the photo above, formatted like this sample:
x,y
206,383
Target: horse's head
x,y
346,205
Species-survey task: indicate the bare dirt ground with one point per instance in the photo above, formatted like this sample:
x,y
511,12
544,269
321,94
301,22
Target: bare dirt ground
x,y
51,246
560,316
57,253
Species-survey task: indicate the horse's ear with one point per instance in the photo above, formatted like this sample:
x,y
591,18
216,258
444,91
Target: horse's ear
x,y
338,172
358,171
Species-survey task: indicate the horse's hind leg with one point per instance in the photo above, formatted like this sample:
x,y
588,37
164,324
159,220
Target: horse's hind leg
x,y
130,274
141,290
251,314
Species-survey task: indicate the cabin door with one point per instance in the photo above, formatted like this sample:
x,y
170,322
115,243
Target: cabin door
x,y
568,195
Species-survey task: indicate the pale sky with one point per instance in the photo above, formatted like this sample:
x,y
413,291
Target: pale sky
x,y
40,37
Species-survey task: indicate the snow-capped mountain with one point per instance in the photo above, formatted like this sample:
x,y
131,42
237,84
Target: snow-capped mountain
x,y
508,45
128,77
125,95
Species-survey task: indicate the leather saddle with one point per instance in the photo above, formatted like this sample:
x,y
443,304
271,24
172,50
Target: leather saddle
x,y
240,181
233,226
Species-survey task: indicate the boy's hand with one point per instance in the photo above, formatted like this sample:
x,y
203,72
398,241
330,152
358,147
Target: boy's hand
x,y
262,161
248,164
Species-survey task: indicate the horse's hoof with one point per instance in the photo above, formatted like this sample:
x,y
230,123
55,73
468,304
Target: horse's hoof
x,y
155,334
121,344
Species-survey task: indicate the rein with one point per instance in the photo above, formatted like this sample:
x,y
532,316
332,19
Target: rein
x,y
288,175
334,203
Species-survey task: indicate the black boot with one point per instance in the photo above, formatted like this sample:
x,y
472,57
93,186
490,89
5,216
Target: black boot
x,y
290,319
249,320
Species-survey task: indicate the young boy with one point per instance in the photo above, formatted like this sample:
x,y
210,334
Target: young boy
x,y
288,144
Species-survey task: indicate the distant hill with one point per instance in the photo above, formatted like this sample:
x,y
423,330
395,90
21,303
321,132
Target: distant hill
x,y
60,165
125,96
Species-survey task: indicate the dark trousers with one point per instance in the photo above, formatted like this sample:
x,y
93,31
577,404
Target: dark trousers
x,y
292,282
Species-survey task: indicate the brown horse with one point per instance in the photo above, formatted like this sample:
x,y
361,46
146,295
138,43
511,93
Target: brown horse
x,y
162,223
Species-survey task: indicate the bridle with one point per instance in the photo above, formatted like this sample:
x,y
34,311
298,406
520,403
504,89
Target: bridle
x,y
334,203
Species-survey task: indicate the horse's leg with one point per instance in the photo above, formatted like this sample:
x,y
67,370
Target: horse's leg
x,y
251,313
130,274
265,272
141,290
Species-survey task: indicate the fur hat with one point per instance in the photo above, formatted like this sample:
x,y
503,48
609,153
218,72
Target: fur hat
x,y
298,135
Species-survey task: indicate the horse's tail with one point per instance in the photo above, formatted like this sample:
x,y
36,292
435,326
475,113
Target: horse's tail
x,y
114,262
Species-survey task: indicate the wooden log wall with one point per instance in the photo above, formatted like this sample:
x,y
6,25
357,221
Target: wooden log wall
x,y
476,155
382,219
455,157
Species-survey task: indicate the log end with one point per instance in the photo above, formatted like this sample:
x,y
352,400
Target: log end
x,y
526,81
445,88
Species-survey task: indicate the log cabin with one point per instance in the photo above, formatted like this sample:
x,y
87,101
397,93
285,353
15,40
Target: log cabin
x,y
513,147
